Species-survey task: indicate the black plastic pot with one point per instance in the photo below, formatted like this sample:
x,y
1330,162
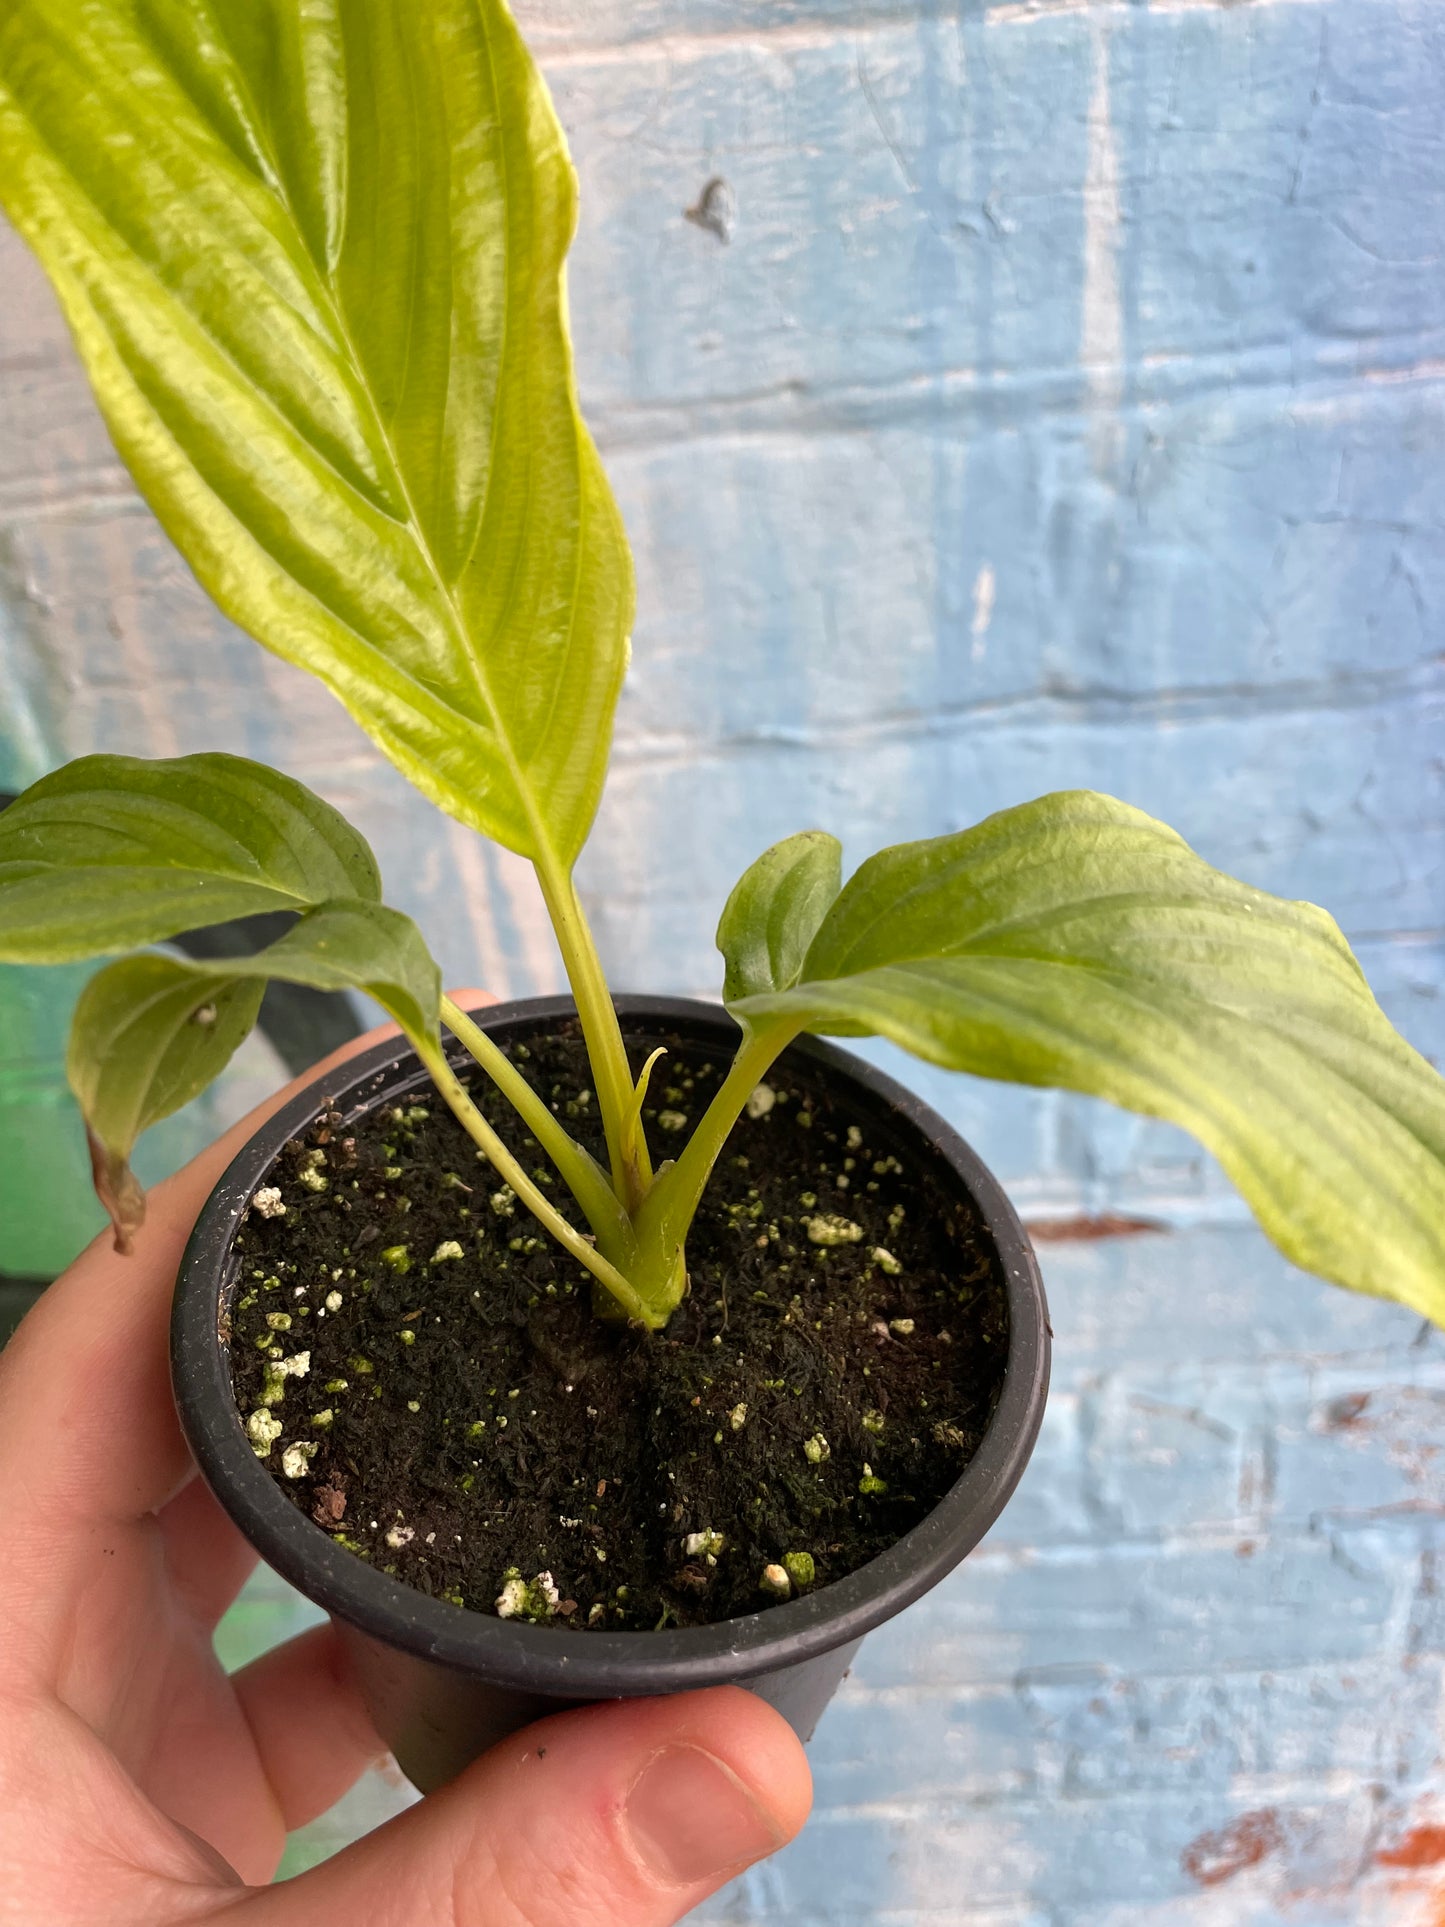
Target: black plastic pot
x,y
443,1684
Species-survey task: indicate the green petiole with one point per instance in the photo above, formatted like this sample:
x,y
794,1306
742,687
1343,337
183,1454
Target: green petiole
x,y
541,1207
632,1175
582,1175
639,1259
661,1226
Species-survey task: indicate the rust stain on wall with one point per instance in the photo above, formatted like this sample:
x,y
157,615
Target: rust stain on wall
x,y
1216,1857
1107,1224
1422,1847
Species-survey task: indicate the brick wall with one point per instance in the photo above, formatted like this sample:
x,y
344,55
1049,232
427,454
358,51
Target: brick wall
x,y
1065,405
1195,1674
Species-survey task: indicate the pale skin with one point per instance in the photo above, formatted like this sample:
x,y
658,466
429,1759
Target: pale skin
x,y
140,1785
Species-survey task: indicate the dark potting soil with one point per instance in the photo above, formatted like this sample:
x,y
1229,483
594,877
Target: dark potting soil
x,y
421,1369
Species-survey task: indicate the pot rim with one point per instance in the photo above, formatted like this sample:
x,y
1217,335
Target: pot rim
x,y
551,1661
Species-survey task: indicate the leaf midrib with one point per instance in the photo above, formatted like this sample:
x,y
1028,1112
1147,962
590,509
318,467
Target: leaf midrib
x,y
1134,992
328,299
223,355
384,430
1119,977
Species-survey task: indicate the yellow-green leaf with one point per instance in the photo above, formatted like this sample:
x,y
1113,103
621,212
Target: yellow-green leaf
x,y
312,255
151,1032
774,912
1075,941
148,1035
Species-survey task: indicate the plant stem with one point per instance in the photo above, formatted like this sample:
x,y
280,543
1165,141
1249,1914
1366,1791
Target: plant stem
x,y
546,1213
662,1223
582,1175
631,1175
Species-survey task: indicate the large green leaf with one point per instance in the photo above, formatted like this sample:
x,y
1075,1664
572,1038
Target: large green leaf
x,y
151,1032
112,851
1077,942
774,912
312,252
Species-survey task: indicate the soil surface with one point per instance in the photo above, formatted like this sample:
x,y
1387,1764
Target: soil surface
x,y
422,1372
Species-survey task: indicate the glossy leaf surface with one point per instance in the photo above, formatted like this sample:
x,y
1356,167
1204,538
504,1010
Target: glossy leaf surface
x,y
354,946
113,851
1077,942
774,912
312,256
151,1032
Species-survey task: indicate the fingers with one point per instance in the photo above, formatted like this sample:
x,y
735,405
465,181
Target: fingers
x,y
90,1441
632,1811
208,1559
84,1382
312,1731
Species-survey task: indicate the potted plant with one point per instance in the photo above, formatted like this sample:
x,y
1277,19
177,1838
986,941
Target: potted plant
x,y
584,1350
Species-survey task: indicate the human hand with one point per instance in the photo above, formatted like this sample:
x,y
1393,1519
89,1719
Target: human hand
x,y
140,1786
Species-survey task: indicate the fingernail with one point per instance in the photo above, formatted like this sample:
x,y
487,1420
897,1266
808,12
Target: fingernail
x,y
692,1819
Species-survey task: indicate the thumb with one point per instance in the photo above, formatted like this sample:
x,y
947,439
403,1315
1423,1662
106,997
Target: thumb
x,y
635,1810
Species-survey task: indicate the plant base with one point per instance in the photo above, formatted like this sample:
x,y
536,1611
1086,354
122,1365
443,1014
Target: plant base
x,y
467,1676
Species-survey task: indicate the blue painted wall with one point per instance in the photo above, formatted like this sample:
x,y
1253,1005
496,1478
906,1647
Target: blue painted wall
x,y
1066,406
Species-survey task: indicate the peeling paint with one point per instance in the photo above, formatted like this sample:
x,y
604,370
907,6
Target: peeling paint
x,y
1216,1857
1423,1847
1101,339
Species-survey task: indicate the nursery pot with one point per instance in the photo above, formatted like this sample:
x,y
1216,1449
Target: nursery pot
x,y
442,1683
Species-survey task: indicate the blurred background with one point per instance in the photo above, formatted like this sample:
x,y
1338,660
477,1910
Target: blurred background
x,y
1001,397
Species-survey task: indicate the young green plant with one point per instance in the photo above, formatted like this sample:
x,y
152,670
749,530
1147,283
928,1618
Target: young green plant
x,y
312,258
